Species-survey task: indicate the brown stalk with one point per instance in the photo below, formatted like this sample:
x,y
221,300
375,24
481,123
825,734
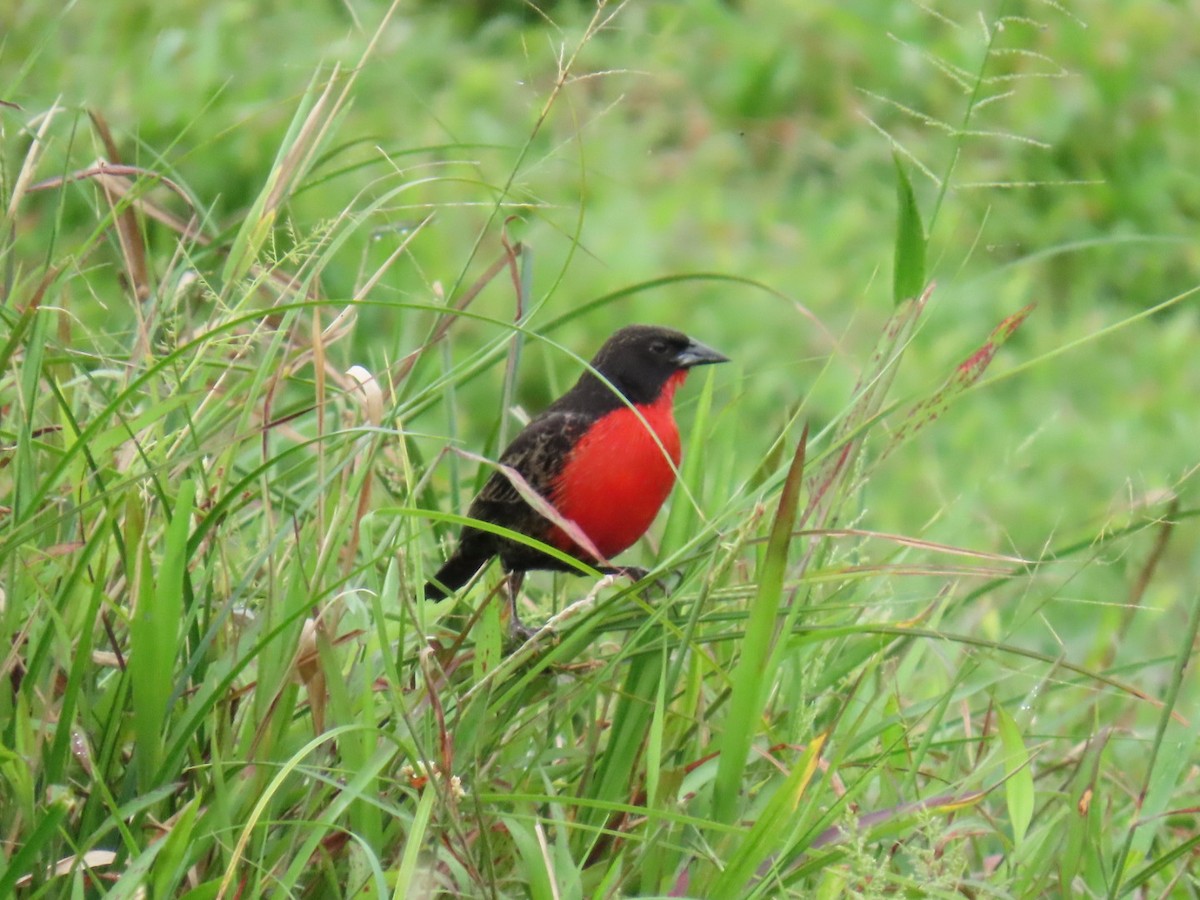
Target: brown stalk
x,y
129,235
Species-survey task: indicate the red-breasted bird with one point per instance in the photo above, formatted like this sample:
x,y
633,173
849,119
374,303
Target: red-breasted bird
x,y
604,455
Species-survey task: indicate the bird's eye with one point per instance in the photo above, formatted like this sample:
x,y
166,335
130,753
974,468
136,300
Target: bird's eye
x,y
658,347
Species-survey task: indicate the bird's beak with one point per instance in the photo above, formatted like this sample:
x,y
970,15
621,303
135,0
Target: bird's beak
x,y
698,354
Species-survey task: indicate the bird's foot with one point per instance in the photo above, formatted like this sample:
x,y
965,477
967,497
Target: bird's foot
x,y
668,582
521,635
519,632
664,583
633,573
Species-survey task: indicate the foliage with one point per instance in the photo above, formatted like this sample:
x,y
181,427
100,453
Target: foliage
x,y
922,605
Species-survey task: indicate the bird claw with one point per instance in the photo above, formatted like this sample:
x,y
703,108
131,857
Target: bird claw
x,y
669,581
520,633
633,573
665,583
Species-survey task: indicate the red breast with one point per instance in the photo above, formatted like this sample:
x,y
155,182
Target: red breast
x,y
616,478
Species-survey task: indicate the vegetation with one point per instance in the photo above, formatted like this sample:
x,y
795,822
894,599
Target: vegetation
x,y
279,279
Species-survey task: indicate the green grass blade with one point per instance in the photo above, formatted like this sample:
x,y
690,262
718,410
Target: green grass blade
x,y
407,884
155,633
1161,755
908,277
1018,781
751,677
769,831
25,860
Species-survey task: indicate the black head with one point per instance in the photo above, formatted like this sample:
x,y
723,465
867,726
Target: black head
x,y
639,359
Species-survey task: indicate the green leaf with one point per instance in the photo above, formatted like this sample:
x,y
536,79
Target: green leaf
x,y
155,632
1164,764
1018,784
24,860
617,769
1085,803
538,879
408,878
176,849
909,274
754,673
771,829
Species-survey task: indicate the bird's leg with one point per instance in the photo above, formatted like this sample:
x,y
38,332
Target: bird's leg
x,y
517,629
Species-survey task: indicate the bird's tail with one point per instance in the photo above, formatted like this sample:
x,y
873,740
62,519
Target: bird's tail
x,y
458,570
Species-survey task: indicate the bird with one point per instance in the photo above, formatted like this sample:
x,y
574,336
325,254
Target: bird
x,y
603,455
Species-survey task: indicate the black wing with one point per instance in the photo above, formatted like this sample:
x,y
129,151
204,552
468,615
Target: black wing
x,y
538,454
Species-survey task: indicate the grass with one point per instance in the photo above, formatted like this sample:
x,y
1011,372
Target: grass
x,y
929,596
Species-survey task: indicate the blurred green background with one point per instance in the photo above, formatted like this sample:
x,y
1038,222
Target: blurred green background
x,y
751,139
